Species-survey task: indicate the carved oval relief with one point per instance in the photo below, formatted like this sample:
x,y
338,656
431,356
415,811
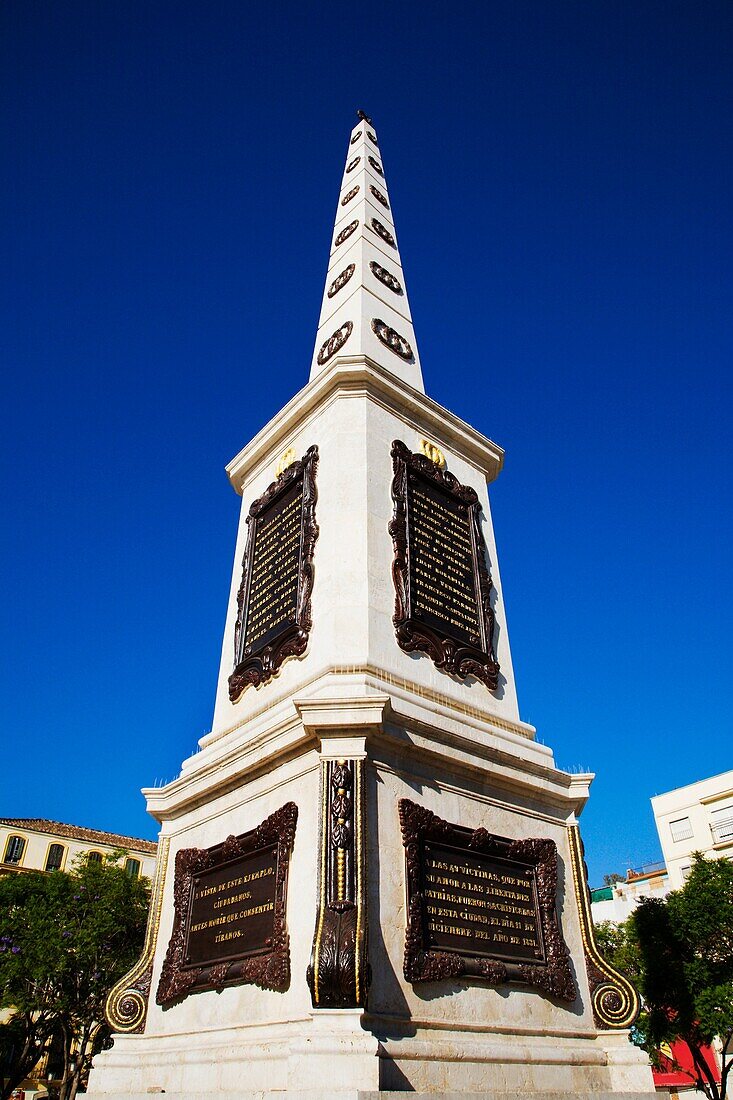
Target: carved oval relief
x,y
383,232
349,195
386,277
335,342
379,196
376,165
341,280
350,167
392,340
355,138
372,138
346,233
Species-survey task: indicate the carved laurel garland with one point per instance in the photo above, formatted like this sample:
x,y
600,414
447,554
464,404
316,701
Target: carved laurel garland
x,y
385,277
126,1008
259,666
412,634
375,164
553,976
392,340
372,138
269,970
379,196
335,342
352,165
350,195
338,973
346,233
341,280
355,138
614,999
383,232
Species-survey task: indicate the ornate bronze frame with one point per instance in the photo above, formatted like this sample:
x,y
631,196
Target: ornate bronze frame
x,y
269,970
412,634
553,976
260,665
338,973
614,999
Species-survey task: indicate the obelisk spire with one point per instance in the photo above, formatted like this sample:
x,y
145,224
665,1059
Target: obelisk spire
x,y
365,311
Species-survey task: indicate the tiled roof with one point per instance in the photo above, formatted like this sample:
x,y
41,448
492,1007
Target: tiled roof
x,y
77,832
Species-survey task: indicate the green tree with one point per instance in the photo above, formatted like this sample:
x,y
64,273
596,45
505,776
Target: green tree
x,y
679,951
65,939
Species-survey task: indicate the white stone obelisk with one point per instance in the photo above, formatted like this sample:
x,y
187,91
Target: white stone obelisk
x,y
347,727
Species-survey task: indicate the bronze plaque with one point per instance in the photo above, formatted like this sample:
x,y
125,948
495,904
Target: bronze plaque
x,y
480,905
443,588
229,912
274,598
441,577
232,910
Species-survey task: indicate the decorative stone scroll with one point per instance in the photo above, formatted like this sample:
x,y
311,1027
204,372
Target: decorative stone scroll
x,y
385,277
346,233
350,195
274,598
379,196
383,232
352,165
229,912
341,280
614,999
375,164
335,342
392,340
441,579
481,906
126,1008
338,973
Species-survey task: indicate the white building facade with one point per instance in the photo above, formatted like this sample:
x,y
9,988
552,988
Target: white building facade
x,y
36,844
695,818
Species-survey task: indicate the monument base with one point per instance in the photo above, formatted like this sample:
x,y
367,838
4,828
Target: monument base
x,y
354,1056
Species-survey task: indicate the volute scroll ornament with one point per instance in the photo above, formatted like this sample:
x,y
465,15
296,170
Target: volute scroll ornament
x,y
614,999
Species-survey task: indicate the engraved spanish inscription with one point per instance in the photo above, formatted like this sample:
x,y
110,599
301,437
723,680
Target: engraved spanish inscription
x,y
477,905
232,912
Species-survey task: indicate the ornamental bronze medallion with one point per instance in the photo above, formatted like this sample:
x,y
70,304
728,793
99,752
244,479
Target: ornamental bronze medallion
x,y
274,598
442,582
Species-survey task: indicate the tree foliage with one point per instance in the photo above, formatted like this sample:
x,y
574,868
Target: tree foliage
x,y
679,951
65,939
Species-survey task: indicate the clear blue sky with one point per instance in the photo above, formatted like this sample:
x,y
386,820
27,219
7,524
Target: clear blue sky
x,y
561,179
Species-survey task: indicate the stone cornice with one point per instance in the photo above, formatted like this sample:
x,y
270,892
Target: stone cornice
x,y
362,377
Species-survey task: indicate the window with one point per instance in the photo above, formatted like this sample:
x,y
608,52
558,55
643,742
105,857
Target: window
x,y
684,871
132,866
14,849
680,829
722,824
94,857
55,857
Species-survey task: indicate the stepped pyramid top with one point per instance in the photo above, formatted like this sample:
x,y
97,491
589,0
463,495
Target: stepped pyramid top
x,y
365,312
